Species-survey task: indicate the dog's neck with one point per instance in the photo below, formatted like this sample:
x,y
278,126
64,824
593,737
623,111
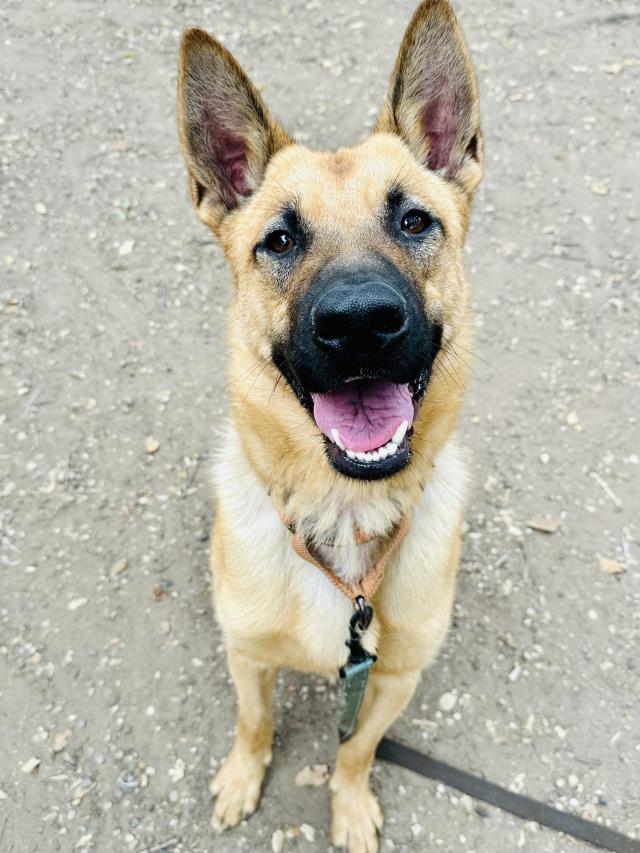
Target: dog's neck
x,y
331,512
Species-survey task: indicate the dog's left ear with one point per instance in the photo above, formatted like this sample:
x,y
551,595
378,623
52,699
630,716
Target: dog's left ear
x,y
226,131
432,101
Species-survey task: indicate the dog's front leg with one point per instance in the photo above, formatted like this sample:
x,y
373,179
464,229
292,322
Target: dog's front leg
x,y
357,816
238,783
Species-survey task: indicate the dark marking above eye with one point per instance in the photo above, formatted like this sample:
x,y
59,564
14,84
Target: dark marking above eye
x,y
406,219
287,235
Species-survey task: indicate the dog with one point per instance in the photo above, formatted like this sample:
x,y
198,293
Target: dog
x,y
339,480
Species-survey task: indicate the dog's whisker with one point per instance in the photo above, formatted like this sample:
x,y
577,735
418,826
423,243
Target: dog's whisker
x,y
455,344
466,362
441,369
275,386
259,366
224,325
451,368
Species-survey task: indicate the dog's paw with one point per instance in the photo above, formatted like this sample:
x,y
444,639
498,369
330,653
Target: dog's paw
x,y
356,820
236,789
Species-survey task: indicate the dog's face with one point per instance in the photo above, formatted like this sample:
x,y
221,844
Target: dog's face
x,y
348,264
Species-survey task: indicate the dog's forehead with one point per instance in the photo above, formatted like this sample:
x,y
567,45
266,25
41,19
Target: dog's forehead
x,y
343,195
327,185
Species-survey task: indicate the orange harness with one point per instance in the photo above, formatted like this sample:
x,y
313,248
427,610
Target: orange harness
x,y
368,585
355,672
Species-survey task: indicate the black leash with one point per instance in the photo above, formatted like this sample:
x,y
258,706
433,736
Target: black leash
x,y
480,789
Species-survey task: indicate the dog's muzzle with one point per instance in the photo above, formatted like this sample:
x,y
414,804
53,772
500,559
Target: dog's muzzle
x,y
359,358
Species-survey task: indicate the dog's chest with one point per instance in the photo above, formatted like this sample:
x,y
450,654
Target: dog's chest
x,y
284,609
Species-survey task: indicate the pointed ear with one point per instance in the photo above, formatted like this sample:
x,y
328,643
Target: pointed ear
x,y
226,132
432,101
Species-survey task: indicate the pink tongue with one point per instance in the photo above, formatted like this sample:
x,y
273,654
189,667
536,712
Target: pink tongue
x,y
366,413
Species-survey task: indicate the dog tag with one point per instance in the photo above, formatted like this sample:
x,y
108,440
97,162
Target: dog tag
x,y
354,682
355,673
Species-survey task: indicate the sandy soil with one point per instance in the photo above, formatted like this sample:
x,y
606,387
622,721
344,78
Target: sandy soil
x,y
115,705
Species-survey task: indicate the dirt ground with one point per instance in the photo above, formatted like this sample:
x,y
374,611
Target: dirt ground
x,y
115,704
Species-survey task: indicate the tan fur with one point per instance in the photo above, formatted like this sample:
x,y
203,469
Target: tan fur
x,y
275,609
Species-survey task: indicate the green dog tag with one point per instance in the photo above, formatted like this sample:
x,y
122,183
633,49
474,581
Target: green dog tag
x,y
354,678
355,673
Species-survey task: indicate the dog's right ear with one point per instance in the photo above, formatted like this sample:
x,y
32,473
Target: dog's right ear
x,y
226,132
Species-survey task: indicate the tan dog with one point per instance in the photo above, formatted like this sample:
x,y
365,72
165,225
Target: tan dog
x,y
348,332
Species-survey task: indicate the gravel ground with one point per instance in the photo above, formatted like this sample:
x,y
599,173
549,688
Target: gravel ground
x,y
115,704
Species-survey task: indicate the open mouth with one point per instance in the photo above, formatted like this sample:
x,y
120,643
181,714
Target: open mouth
x,y
367,422
368,425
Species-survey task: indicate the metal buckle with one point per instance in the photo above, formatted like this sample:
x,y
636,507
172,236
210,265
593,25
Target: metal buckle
x,y
361,619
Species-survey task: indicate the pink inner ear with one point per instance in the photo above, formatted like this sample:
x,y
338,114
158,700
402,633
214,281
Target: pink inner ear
x,y
228,159
441,126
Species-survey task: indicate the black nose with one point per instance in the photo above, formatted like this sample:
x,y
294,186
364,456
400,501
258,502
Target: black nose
x,y
359,318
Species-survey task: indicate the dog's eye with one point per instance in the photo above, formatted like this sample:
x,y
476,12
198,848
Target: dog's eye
x,y
280,242
415,222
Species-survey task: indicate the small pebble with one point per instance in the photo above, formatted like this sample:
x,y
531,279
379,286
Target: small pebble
x,y
610,567
61,740
277,841
177,771
128,783
544,524
31,765
448,702
308,832
313,775
151,445
119,567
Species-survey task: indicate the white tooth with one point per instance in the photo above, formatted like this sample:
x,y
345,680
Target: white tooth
x,y
382,452
392,447
368,457
335,435
350,454
376,455
361,457
399,433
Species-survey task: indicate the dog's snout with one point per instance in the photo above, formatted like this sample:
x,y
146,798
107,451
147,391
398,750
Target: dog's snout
x,y
357,319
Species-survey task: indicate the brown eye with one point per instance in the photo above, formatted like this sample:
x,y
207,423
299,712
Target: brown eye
x,y
280,242
415,222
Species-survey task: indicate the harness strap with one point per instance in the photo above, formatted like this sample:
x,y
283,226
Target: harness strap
x,y
369,584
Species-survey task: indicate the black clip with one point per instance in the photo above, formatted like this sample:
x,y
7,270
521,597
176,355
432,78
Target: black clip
x,y
358,624
362,616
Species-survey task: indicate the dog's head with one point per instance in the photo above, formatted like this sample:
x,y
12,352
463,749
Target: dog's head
x,y
347,265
